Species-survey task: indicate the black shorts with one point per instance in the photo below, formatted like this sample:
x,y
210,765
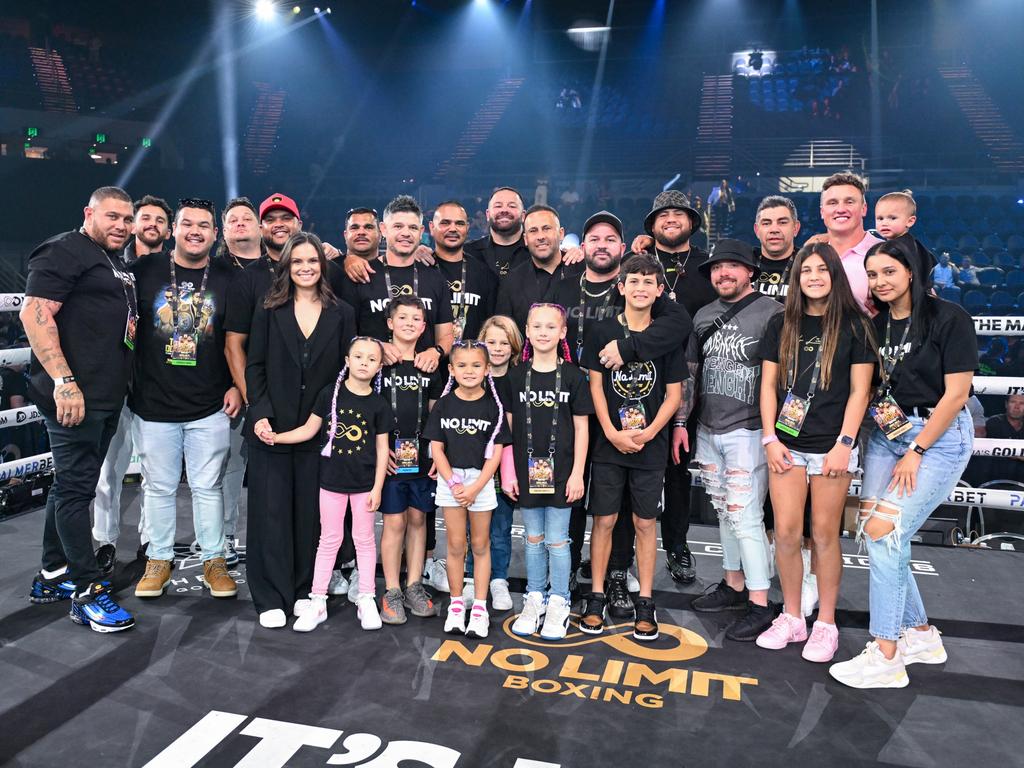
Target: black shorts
x,y
609,482
400,493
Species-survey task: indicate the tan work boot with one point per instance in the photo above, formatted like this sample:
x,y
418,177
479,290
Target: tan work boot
x,y
155,579
215,574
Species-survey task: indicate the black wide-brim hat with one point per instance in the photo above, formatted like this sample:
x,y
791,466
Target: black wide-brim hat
x,y
672,198
731,250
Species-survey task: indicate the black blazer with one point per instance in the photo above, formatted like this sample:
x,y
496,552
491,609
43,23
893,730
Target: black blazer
x,y
277,389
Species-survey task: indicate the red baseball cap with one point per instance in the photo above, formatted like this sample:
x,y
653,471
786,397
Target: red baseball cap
x,y
277,200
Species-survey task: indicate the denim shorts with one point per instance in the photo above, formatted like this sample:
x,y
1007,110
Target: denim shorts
x,y
813,462
485,501
400,493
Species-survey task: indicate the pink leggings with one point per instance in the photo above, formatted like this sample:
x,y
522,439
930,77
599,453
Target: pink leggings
x,y
333,507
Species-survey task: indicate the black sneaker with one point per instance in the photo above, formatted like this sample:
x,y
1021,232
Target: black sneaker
x,y
106,557
585,576
574,585
681,567
751,624
721,597
645,626
596,604
620,604
51,590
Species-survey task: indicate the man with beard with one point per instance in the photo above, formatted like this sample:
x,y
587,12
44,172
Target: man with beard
x,y
183,397
243,244
152,228
535,279
80,315
776,226
503,248
472,285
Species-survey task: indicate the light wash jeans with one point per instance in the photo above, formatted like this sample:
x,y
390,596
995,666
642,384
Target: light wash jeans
x,y
234,474
544,561
894,600
204,444
106,510
501,539
735,475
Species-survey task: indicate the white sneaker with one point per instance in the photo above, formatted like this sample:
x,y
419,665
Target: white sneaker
x,y
339,584
500,598
468,593
435,574
300,607
353,586
479,623
314,614
772,570
528,621
556,620
369,616
917,647
455,623
871,670
632,585
809,587
274,619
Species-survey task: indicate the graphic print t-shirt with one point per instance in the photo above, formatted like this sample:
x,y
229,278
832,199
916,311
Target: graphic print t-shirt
x,y
824,420
573,399
730,386
352,465
465,427
774,278
474,299
180,393
410,384
642,383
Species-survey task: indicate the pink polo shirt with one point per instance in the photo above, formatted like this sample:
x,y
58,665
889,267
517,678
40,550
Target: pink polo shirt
x,y
853,263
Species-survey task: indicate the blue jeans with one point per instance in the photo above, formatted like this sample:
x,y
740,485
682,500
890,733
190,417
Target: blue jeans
x,y
735,475
501,540
894,600
547,560
204,444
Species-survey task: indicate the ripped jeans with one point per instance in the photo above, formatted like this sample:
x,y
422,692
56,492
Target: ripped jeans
x,y
735,475
894,600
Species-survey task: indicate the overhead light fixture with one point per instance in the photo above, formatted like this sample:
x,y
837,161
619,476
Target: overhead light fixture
x,y
265,10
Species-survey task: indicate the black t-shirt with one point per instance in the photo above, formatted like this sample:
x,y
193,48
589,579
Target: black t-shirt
x,y
573,400
371,300
950,346
824,419
500,259
600,301
526,285
179,393
774,278
412,385
12,384
475,298
691,289
91,285
465,427
352,465
644,382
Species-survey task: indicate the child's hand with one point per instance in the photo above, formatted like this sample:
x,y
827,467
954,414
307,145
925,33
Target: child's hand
x,y
471,492
459,492
574,488
623,441
392,463
642,437
511,488
432,472
268,436
373,500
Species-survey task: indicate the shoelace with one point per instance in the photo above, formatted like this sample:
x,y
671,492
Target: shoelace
x,y
104,601
392,601
153,568
218,569
818,633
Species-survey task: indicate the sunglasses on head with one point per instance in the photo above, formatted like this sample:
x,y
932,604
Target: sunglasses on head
x,y
469,344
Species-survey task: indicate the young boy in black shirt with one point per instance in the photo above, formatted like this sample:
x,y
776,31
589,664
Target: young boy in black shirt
x,y
634,406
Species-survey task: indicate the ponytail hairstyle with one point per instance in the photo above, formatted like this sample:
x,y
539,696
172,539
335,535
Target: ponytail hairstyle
x,y
564,347
342,375
470,345
507,325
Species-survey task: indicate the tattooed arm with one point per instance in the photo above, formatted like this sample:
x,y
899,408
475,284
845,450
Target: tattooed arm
x,y
37,315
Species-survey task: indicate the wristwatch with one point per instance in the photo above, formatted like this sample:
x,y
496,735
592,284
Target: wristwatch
x,y
917,448
58,380
845,440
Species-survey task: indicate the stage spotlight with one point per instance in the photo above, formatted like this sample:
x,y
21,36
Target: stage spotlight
x,y
316,11
328,11
265,10
296,10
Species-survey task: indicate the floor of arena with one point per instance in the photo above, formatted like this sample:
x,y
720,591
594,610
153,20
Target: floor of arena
x,y
198,682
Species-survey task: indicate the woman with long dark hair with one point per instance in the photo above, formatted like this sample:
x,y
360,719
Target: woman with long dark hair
x,y
296,348
917,451
818,359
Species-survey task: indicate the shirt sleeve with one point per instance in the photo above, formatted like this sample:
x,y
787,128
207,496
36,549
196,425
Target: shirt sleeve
x,y
322,406
580,401
592,350
53,272
384,420
671,324
504,436
768,349
433,429
959,341
676,369
239,311
438,379
862,349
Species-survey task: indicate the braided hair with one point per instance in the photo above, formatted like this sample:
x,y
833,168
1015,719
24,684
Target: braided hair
x,y
563,347
342,375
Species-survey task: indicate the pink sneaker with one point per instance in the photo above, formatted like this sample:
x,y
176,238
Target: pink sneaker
x,y
784,630
823,644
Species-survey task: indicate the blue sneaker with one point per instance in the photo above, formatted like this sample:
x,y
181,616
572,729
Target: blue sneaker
x,y
97,609
50,590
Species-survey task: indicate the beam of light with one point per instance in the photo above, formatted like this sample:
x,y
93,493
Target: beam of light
x,y
265,10
227,94
595,101
670,182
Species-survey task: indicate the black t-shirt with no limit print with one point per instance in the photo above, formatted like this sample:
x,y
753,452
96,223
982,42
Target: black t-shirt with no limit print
x,y
824,419
473,299
352,465
410,385
465,427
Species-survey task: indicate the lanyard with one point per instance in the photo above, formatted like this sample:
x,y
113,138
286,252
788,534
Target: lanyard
x,y
130,299
632,385
461,311
394,400
814,376
174,300
391,290
891,359
607,294
554,413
